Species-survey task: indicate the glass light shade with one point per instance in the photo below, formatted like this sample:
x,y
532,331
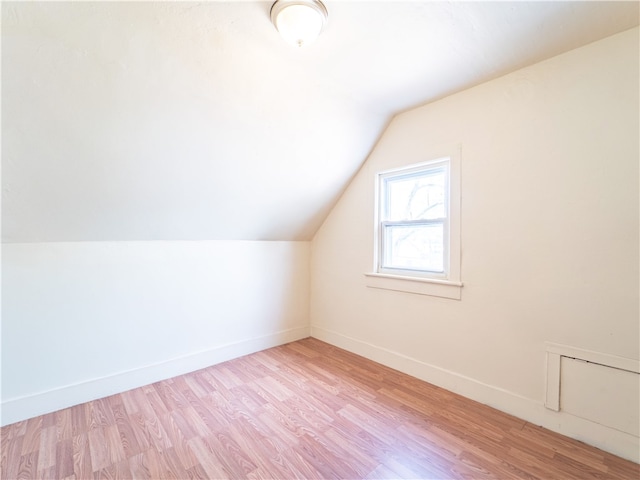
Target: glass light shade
x,y
299,21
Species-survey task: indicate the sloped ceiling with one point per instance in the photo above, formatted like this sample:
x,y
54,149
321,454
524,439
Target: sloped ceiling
x,y
190,121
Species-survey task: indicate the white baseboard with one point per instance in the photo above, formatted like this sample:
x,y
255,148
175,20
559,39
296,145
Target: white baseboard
x,y
17,409
603,437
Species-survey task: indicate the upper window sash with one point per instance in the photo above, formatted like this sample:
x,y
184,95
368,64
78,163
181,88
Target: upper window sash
x,y
390,177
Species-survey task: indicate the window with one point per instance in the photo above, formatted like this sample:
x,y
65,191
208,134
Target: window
x,y
414,226
417,244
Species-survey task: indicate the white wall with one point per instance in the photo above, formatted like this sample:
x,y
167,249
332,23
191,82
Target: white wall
x,y
549,237
85,320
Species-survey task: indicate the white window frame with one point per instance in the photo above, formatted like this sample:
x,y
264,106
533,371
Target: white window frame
x,y
383,204
445,284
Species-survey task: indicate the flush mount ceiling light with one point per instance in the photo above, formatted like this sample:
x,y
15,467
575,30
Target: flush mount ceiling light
x,y
299,21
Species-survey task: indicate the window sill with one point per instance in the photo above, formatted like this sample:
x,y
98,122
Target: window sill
x,y
420,286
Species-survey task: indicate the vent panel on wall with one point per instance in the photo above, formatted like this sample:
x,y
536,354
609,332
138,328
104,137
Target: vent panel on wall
x,y
598,387
602,394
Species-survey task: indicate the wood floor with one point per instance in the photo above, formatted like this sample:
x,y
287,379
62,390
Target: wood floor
x,y
302,410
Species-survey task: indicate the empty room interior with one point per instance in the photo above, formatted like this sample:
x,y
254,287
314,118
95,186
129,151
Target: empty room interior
x,y
304,239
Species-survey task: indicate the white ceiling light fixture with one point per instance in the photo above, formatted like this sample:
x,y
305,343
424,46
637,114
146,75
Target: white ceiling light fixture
x,y
299,21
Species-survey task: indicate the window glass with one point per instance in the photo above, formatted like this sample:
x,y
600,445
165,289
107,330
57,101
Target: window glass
x,y
420,196
415,247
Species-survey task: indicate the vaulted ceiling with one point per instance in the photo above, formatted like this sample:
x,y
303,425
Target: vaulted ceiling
x,y
195,121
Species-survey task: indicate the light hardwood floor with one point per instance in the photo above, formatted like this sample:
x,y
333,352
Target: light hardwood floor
x,y
302,410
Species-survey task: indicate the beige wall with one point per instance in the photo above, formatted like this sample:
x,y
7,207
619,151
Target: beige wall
x,y
549,236
89,319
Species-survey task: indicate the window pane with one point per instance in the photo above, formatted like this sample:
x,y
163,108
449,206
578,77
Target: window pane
x,y
414,247
417,197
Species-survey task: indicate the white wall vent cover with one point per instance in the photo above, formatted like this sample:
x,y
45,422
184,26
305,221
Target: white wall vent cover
x,y
598,387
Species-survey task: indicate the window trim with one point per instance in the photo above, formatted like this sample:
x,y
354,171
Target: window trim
x,y
448,284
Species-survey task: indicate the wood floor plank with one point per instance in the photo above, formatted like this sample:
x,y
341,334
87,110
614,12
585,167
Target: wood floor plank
x,y
297,467
207,458
98,450
11,451
157,435
64,458
322,459
195,386
303,410
345,448
64,424
129,401
170,396
203,381
123,425
617,469
234,461
138,467
137,425
31,438
28,466
247,440
164,464
82,467
484,468
179,441
47,449
247,399
158,404
197,473
381,472
15,430
114,471
403,467
79,422
99,414
213,412
115,448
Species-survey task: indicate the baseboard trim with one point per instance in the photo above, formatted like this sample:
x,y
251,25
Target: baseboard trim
x,y
21,408
606,438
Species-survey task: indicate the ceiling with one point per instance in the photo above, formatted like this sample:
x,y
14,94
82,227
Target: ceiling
x,y
196,121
